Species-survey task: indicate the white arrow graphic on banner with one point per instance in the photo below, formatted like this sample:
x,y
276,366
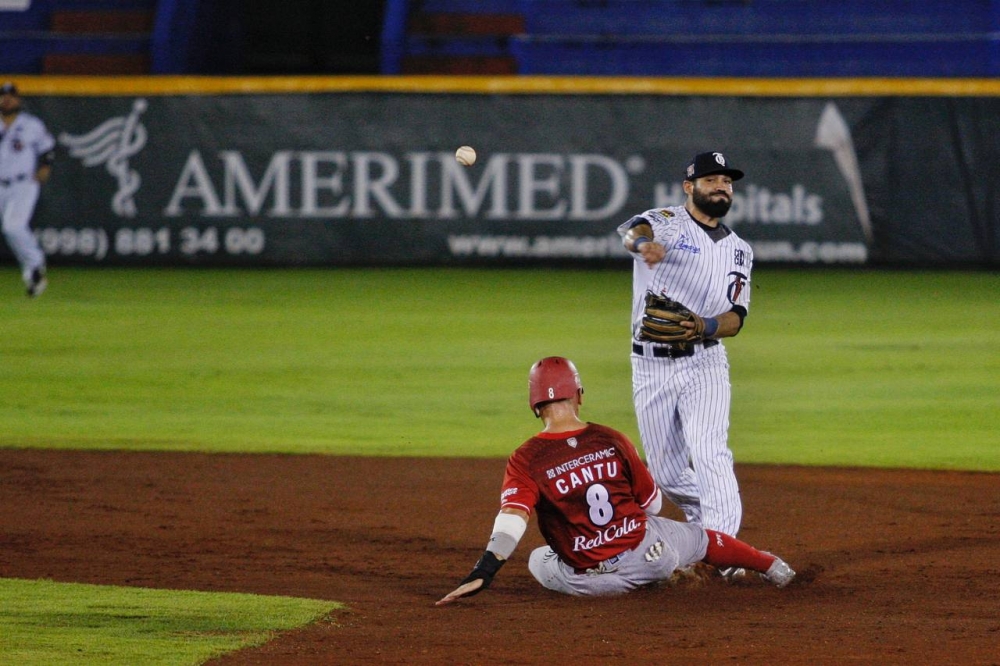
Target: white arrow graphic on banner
x,y
834,135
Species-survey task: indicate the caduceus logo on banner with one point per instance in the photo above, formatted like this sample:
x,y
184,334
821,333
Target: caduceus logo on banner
x,y
112,143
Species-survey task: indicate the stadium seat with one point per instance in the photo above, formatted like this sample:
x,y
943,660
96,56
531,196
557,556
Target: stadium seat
x,y
79,37
772,38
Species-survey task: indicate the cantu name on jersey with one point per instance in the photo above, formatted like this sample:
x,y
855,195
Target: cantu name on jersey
x,y
584,470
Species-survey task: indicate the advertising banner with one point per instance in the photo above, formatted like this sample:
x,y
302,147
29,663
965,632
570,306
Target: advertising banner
x,y
351,179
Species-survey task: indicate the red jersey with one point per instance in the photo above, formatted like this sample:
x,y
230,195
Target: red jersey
x,y
589,489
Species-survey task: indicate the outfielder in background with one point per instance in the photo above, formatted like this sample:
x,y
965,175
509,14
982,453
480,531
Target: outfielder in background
x,y
691,287
597,507
26,153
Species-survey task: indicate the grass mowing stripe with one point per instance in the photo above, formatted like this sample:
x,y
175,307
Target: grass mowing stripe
x,y
60,623
839,367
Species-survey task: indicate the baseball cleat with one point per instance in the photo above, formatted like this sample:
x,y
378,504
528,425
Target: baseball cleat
x,y
779,573
38,283
733,574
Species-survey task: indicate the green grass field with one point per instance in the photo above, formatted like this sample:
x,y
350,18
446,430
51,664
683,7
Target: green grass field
x,y
62,623
878,368
890,369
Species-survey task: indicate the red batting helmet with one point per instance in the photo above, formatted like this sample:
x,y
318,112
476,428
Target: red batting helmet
x,y
552,378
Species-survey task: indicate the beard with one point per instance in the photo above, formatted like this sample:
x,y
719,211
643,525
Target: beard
x,y
717,208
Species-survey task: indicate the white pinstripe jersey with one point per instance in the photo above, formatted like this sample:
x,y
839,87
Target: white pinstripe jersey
x,y
21,144
706,270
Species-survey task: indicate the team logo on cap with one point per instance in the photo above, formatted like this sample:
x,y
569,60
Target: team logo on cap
x,y
719,158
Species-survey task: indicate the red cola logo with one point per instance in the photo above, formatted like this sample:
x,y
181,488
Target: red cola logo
x,y
607,535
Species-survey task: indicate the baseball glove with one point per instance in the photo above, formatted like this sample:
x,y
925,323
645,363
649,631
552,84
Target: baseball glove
x,y
662,321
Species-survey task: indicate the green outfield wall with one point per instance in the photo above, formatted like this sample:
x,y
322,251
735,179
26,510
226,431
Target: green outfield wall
x,y
356,171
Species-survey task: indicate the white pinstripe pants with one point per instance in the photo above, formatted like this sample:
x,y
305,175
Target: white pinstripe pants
x,y
17,204
682,406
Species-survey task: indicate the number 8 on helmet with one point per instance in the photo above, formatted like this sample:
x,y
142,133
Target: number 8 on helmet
x,y
552,378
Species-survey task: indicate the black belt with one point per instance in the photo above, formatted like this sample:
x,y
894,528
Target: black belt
x,y
15,179
673,352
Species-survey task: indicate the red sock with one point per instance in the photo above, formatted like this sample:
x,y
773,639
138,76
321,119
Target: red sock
x,y
726,551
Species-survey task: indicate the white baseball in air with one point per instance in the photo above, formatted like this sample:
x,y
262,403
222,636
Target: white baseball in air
x,y
466,156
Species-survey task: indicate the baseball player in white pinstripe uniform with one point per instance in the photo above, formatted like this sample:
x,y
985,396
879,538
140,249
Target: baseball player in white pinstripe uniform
x,y
26,152
682,391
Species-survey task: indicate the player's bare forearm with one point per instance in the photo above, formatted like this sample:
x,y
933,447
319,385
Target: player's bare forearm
x,y
503,541
729,325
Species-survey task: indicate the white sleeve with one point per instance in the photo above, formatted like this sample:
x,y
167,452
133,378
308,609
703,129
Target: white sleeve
x,y
655,504
507,532
631,222
42,140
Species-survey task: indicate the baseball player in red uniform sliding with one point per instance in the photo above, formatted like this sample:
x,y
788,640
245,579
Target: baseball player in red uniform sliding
x,y
597,507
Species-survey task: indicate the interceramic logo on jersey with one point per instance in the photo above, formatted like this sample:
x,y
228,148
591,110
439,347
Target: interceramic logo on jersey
x,y
112,143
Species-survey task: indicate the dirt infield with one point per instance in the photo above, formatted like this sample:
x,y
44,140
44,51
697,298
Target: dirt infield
x,y
897,566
